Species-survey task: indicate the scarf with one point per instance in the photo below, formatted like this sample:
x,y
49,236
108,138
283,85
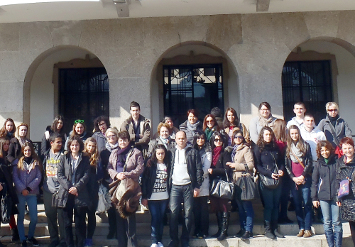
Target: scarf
x,y
209,132
234,151
333,120
267,122
121,156
297,152
215,155
192,127
22,141
164,141
111,148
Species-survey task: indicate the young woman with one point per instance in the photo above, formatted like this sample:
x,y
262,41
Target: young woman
x,y
27,177
219,169
270,164
345,170
90,149
231,123
265,118
155,191
163,138
324,192
209,126
17,143
8,130
57,126
73,176
191,125
242,160
101,124
201,201
79,129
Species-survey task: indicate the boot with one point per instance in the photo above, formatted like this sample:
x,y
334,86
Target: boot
x,y
338,239
225,218
15,236
268,231
275,230
219,223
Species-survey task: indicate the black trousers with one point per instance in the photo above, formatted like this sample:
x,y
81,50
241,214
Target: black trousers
x,y
126,230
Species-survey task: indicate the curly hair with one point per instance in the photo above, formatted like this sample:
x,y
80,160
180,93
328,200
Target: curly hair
x,y
325,144
261,142
226,123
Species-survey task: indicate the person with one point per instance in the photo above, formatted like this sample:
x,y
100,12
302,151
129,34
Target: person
x,y
218,114
209,126
200,209
173,130
334,127
138,128
299,166
299,109
231,123
311,134
163,138
191,125
73,195
265,118
219,169
242,161
101,124
57,126
27,177
17,143
324,193
155,194
111,145
91,150
79,129
51,186
184,182
8,130
125,162
345,170
269,163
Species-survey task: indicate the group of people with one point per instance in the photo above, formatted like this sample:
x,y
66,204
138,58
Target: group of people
x,y
175,167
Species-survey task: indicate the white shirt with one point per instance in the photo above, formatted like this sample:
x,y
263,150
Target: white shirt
x,y
312,138
180,173
295,121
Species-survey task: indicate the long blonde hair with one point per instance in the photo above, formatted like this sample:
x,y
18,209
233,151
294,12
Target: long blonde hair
x,y
95,156
34,156
301,145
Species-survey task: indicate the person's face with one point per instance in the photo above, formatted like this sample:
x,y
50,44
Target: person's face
x,y
264,112
309,122
79,129
111,138
59,124
210,122
332,111
57,144
75,147
160,154
218,142
192,118
299,110
123,143
181,140
170,122
102,127
348,150
22,131
9,126
164,132
200,141
267,136
91,147
27,151
135,111
325,152
230,117
5,146
238,139
294,135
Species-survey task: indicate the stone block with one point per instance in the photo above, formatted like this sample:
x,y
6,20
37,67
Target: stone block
x,y
35,35
346,26
258,28
66,32
9,66
9,37
322,24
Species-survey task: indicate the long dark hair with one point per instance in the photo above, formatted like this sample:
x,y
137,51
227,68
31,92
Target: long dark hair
x,y
226,123
153,160
55,123
261,143
301,145
100,119
217,134
3,131
204,126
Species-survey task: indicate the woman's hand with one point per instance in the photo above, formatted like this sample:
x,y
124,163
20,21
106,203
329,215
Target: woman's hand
x,y
230,164
338,204
281,173
275,176
209,170
25,192
316,204
1,188
145,202
120,176
73,191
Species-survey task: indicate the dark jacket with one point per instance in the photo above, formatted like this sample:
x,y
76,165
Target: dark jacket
x,y
324,180
194,167
307,162
93,187
334,133
100,141
221,168
45,144
344,171
6,178
265,160
81,180
14,150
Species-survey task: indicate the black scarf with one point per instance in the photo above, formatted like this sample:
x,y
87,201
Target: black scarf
x,y
333,120
121,156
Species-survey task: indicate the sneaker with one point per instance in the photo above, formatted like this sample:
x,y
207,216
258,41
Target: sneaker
x,y
33,241
88,242
24,243
154,245
160,244
307,234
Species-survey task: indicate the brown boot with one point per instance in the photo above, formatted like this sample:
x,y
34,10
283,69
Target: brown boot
x,y
307,234
300,233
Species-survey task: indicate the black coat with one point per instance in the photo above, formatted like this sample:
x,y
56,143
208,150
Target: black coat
x,y
324,183
14,150
265,160
221,168
148,179
307,162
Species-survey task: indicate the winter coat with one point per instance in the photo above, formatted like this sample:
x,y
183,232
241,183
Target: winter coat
x,y
6,178
307,162
264,160
189,133
221,168
83,137
27,179
255,128
100,141
334,133
45,144
241,127
81,180
324,183
170,145
243,156
206,160
93,187
14,152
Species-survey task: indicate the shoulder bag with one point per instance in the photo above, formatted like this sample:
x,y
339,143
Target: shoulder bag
x,y
247,186
344,187
221,188
269,182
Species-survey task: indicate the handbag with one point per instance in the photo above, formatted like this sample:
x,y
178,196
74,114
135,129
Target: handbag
x,y
104,202
269,182
247,186
6,206
344,187
221,188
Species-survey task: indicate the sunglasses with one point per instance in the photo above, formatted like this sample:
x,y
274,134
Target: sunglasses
x,y
217,140
333,110
78,121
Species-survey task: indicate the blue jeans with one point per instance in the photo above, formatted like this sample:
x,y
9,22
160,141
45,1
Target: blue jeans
x,y
31,201
331,216
181,193
271,198
246,215
303,203
157,211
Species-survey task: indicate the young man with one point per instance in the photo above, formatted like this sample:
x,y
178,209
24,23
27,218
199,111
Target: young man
x,y
138,128
311,134
184,182
299,109
50,186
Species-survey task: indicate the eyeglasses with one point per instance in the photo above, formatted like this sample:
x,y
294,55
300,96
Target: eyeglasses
x,y
111,136
78,121
211,121
100,124
238,137
332,110
217,140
